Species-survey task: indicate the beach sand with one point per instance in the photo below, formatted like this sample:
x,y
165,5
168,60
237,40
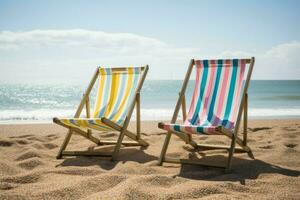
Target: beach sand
x,y
29,169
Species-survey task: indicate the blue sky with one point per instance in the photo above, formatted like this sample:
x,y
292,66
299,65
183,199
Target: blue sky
x,y
52,37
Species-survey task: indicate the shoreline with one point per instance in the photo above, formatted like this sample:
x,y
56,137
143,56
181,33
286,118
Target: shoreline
x,y
34,122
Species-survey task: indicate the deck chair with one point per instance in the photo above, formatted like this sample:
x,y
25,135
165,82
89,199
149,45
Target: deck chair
x,y
219,98
117,94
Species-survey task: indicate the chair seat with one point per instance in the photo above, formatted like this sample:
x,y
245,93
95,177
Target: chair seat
x,y
85,123
190,129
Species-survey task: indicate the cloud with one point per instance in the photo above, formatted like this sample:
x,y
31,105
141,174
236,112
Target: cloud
x,y
284,52
53,55
57,52
74,38
280,62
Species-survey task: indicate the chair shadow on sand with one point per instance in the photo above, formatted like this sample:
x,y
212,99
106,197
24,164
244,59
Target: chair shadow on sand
x,y
242,169
135,154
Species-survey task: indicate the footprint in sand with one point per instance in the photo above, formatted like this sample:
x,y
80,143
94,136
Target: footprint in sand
x,y
24,179
38,139
4,143
51,137
259,129
23,142
7,186
50,146
266,147
290,145
22,136
27,155
289,129
30,163
44,146
16,140
7,169
38,146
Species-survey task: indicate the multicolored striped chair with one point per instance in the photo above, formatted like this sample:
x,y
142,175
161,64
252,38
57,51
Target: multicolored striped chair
x,y
117,94
219,98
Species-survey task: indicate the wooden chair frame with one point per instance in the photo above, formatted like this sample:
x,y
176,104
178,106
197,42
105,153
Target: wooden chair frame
x,y
138,141
233,135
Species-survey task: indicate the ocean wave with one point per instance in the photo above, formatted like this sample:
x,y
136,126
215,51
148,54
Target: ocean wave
x,y
34,115
46,115
274,112
282,97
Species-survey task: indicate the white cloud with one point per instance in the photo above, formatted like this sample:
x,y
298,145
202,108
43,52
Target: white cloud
x,y
74,38
53,55
280,62
285,52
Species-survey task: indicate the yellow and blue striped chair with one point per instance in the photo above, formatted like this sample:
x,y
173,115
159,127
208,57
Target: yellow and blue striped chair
x,y
117,94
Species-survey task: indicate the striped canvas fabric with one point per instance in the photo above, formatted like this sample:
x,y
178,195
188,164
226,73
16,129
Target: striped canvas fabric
x,y
115,93
216,98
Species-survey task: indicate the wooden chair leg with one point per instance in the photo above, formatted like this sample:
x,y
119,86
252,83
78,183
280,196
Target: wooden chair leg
x,y
245,119
164,149
64,144
118,145
231,152
138,116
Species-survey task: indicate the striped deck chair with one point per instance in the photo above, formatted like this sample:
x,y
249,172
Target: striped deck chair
x,y
219,98
117,94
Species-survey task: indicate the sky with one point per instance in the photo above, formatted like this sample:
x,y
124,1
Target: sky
x,y
64,41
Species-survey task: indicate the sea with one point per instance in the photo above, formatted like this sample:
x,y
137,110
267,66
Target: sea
x,y
39,103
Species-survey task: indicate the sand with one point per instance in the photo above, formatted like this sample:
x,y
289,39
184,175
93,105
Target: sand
x,y
29,170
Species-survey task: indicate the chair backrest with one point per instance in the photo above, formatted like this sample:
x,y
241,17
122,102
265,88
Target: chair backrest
x,y
116,92
218,92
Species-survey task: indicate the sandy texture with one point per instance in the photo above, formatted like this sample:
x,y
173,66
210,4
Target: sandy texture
x,y
29,170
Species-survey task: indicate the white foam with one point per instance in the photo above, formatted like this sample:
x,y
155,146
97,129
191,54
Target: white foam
x,y
46,115
274,112
34,115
